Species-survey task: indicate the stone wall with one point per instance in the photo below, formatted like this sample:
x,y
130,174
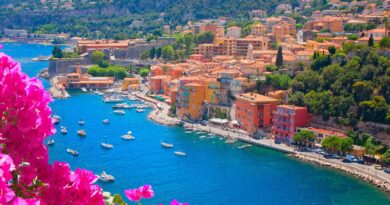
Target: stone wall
x,y
63,66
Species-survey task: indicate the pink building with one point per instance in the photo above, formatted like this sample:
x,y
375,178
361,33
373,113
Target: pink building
x,y
286,119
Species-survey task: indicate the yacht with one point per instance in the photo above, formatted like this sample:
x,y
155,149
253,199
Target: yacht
x,y
107,146
119,112
112,99
128,136
57,119
166,145
181,154
106,121
140,110
81,122
104,177
64,130
81,133
72,152
50,142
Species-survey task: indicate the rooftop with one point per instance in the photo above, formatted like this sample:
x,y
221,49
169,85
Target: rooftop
x,y
256,98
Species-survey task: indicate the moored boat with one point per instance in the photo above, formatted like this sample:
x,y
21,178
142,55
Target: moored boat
x,y
64,130
81,122
50,142
104,177
112,99
107,145
84,89
180,153
140,110
72,152
81,133
119,112
57,119
106,121
166,145
128,136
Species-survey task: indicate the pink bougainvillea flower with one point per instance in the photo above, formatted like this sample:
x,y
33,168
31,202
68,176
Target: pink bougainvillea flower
x,y
146,191
133,195
136,195
175,202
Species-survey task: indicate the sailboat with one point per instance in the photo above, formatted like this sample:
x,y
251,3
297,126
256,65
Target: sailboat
x,y
128,136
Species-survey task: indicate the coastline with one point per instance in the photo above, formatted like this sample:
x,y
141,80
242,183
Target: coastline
x,y
363,172
7,40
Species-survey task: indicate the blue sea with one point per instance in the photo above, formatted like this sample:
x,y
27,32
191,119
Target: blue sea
x,y
213,172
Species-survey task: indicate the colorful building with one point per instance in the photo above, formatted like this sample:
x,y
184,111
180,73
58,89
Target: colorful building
x,y
131,84
321,134
190,101
254,112
286,120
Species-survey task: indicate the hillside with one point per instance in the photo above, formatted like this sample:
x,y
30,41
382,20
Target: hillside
x,y
85,17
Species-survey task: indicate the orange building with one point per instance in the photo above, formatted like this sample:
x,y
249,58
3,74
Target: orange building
x,y
330,23
157,84
132,84
190,101
282,29
85,45
254,111
258,29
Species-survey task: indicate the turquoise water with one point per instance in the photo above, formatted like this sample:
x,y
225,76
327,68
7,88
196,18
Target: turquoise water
x,y
212,173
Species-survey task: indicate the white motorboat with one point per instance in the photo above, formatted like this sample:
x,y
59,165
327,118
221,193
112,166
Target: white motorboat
x,y
81,133
244,146
121,106
166,145
203,136
140,110
50,142
128,136
119,112
131,98
84,89
112,99
104,177
106,145
181,154
57,119
81,122
72,152
64,130
106,121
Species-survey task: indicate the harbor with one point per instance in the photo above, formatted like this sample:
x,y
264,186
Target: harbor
x,y
144,160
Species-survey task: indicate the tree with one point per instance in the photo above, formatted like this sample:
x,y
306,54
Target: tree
x,y
168,53
144,72
158,53
332,50
304,137
97,57
279,58
384,43
152,53
361,91
385,158
205,37
352,37
57,52
332,144
371,41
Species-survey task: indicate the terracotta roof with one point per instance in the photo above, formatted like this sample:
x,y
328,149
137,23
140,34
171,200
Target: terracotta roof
x,y
291,107
256,98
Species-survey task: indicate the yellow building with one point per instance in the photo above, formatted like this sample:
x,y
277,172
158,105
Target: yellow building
x,y
131,84
191,99
212,90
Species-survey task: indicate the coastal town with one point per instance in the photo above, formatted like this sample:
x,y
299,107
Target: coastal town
x,y
315,86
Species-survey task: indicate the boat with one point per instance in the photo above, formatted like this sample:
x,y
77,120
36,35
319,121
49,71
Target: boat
x,y
106,121
131,98
244,146
128,136
81,133
119,112
81,122
181,154
166,145
72,152
41,58
84,89
64,130
112,99
230,141
57,119
121,106
98,92
188,132
140,110
104,177
50,142
203,136
106,145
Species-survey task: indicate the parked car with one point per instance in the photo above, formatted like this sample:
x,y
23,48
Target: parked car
x,y
378,167
387,170
335,156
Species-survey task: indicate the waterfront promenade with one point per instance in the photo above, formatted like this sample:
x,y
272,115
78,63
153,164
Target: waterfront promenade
x,y
366,172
